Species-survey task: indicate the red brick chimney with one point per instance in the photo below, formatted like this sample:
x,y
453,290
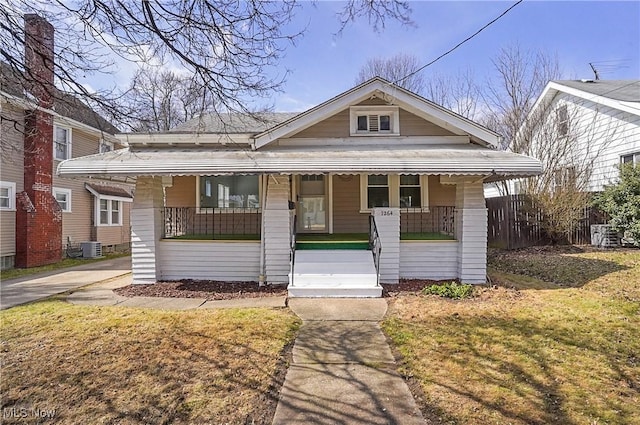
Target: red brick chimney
x,y
38,216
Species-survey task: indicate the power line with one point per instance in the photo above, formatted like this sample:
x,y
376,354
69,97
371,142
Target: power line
x,y
459,44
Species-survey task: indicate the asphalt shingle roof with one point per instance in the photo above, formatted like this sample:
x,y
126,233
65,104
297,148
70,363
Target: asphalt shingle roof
x,y
622,90
233,122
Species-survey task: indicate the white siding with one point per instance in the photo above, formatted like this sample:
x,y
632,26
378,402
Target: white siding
x,y
276,221
435,260
389,230
146,229
215,260
471,232
602,133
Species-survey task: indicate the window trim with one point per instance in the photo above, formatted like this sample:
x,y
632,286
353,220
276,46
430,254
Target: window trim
x,y
394,193
68,142
357,111
635,158
11,186
109,199
67,192
204,210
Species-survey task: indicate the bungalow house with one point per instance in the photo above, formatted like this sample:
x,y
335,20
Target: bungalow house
x,y
41,214
374,185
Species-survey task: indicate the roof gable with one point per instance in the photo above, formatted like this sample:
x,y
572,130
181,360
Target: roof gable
x,y
391,94
618,94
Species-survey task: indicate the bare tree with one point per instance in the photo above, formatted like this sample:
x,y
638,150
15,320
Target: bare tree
x,y
394,69
159,100
230,49
458,93
509,96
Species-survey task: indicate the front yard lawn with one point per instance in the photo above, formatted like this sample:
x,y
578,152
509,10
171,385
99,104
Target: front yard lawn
x,y
556,342
134,366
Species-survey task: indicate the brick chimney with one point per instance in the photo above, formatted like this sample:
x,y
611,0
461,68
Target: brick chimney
x,y
38,215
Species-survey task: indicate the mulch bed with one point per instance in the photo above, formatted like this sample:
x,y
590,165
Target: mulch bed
x,y
218,290
208,289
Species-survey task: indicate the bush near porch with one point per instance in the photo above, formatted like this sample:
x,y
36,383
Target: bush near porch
x,y
557,341
135,366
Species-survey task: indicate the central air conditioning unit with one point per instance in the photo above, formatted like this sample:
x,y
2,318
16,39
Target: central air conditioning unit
x,y
603,236
91,249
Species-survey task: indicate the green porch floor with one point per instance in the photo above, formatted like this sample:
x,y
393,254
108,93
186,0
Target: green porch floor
x,y
332,241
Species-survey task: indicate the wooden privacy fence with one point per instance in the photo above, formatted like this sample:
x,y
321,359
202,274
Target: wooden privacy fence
x,y
515,221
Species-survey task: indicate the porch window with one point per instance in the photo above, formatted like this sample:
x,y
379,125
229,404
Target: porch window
x,y
229,192
377,191
410,193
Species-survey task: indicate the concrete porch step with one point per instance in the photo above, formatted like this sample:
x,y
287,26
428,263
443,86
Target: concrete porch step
x,y
334,273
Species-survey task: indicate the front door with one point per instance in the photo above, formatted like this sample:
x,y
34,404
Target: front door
x,y
312,204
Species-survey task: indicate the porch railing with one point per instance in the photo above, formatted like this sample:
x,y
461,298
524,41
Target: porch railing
x,y
375,245
435,220
211,223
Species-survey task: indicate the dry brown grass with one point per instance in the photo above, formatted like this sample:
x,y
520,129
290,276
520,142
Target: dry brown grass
x,y
530,351
98,365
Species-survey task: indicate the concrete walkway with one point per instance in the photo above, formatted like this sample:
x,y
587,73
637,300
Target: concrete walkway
x,y
343,371
101,294
34,287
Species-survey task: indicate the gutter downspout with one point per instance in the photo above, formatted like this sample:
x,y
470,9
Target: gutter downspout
x,y
263,202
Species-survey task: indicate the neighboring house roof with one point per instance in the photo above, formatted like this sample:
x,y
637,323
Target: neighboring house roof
x,y
619,94
435,159
233,122
13,84
116,192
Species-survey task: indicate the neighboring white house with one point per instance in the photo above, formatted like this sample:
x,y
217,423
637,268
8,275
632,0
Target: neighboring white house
x,y
601,121
374,185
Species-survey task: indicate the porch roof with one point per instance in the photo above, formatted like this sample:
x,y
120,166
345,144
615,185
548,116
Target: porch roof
x,y
406,159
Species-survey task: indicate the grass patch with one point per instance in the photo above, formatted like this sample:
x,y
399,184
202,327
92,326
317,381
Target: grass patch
x,y
453,290
63,264
137,366
433,236
559,352
222,237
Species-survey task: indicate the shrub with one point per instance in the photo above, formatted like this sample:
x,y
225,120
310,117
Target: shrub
x,y
453,290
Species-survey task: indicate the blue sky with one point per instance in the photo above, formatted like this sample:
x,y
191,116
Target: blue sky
x,y
322,65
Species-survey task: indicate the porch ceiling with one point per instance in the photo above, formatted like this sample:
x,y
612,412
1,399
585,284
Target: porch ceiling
x,y
406,159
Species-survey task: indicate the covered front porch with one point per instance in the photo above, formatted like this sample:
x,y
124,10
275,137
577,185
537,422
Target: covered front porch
x,y
333,244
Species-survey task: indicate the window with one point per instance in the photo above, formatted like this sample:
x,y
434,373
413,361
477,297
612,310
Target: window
x,y
410,193
110,212
374,120
399,191
7,196
105,146
562,117
377,191
61,143
63,196
632,158
229,192
564,177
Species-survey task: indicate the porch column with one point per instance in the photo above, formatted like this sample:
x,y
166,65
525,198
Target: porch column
x,y
277,227
146,229
471,232
388,225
